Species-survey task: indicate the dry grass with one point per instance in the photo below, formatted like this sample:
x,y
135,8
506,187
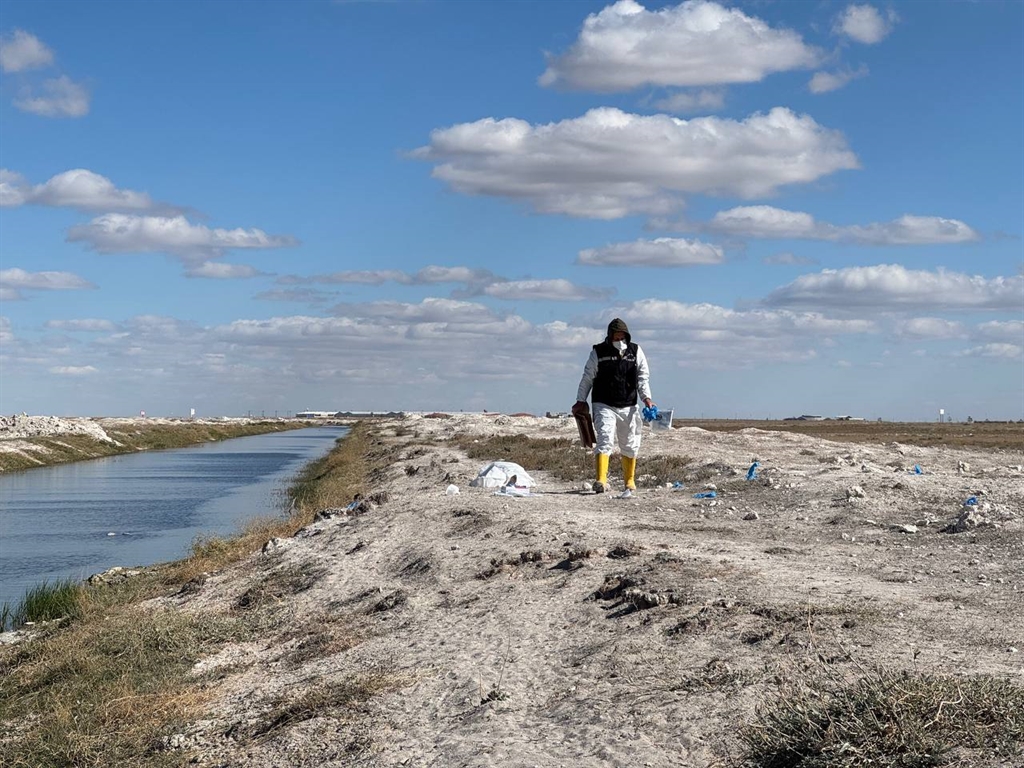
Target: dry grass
x,y
566,459
1009,435
888,719
104,690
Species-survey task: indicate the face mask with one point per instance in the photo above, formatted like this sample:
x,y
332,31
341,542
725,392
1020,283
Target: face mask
x,y
619,345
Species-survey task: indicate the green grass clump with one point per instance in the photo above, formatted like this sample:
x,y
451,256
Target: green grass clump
x,y
45,602
888,719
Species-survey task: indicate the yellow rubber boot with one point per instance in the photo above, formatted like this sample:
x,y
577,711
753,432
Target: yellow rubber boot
x,y
629,472
601,460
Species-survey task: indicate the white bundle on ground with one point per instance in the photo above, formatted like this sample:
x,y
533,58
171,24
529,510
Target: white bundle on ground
x,y
497,474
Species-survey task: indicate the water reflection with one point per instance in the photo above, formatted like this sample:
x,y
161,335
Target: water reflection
x,y
77,519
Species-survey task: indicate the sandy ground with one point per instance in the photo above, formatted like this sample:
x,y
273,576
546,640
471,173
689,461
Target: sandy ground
x,y
575,629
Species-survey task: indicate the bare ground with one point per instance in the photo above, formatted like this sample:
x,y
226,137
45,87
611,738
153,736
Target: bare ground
x,y
568,628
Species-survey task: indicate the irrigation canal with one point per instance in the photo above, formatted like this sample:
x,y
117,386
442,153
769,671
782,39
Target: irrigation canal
x,y
74,520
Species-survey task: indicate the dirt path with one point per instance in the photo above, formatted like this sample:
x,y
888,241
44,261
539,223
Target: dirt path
x,y
568,628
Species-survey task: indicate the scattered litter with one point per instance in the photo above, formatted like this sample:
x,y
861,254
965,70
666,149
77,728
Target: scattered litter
x,y
499,473
905,528
962,467
514,490
626,494
352,505
917,470
676,485
971,502
706,495
452,490
752,472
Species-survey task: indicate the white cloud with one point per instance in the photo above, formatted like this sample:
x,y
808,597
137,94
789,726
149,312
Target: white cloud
x,y
788,258
769,222
61,97
6,335
193,243
625,46
996,330
14,280
543,290
684,102
660,252
608,164
78,188
865,24
89,324
929,328
301,295
995,350
73,370
661,315
427,276
20,51
893,287
824,82
221,271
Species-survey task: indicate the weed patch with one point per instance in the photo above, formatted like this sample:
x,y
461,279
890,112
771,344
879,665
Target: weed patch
x,y
886,719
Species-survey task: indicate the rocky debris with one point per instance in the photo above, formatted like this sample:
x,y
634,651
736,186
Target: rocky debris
x,y
855,492
20,427
980,515
752,516
113,576
905,528
962,468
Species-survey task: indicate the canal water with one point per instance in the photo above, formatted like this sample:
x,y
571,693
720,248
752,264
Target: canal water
x,y
74,520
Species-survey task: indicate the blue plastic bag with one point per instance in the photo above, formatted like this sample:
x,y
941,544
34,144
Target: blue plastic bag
x,y
971,502
752,472
676,485
650,413
706,495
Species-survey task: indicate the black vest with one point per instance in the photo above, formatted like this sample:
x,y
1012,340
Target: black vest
x,y
615,383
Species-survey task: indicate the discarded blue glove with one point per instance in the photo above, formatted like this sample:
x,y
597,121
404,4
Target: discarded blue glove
x,y
971,502
676,485
650,413
752,472
706,495
918,470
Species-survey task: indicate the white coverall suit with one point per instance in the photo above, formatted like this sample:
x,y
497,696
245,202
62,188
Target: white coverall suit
x,y
622,423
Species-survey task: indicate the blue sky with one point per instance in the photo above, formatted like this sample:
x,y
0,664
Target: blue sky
x,y
277,206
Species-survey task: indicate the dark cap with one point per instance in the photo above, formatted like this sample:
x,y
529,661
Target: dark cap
x,y
618,326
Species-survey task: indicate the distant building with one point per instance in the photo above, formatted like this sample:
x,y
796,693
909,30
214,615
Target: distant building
x,y
314,414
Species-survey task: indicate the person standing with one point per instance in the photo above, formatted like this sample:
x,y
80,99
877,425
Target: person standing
x,y
615,376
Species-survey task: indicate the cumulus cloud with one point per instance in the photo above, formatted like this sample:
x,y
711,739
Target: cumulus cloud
x,y
999,330
696,43
893,287
929,328
426,276
683,102
20,51
787,258
193,243
995,350
60,97
865,24
660,252
14,280
6,335
706,320
608,163
769,222
300,295
73,370
80,189
88,324
823,82
222,271
544,290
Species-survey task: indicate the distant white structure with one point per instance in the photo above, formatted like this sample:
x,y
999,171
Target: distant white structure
x,y
314,414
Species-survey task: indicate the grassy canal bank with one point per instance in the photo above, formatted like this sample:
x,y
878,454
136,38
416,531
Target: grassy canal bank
x,y
105,675
112,437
